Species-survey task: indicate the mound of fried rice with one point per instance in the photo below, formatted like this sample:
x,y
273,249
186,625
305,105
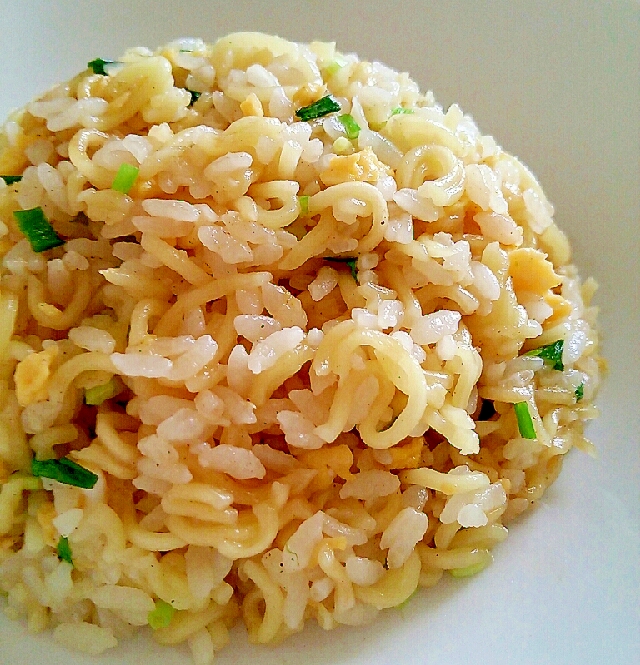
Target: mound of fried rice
x,y
313,340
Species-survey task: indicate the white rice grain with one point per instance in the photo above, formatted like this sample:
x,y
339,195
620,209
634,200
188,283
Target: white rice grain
x,y
403,533
178,210
255,327
237,462
363,571
137,364
423,209
371,484
229,163
184,425
266,352
431,328
483,188
470,509
85,637
299,431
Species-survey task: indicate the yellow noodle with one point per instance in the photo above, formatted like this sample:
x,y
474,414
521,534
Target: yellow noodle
x,y
142,79
451,559
49,315
312,244
214,290
152,541
42,443
447,483
176,259
79,147
185,624
395,586
142,312
252,534
10,497
283,190
401,369
71,370
8,314
374,205
267,381
262,629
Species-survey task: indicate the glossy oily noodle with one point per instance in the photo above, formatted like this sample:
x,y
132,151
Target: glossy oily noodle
x,y
282,340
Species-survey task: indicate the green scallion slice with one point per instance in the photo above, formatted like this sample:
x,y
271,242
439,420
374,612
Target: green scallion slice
x,y
98,66
161,615
335,66
525,423
399,110
351,127
351,261
195,96
473,569
98,394
125,177
406,601
36,228
64,550
304,205
579,392
322,107
10,179
550,353
65,471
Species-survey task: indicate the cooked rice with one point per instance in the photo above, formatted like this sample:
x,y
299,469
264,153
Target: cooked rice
x,y
317,341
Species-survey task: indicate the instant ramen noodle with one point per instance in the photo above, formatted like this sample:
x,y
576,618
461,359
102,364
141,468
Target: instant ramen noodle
x,y
281,339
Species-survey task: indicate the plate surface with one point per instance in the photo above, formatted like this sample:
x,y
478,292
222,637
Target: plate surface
x,y
556,84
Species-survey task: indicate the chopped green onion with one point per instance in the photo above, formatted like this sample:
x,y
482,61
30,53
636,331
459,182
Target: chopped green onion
x,y
342,145
195,96
579,392
64,550
353,267
405,602
335,66
98,394
98,65
351,127
304,205
473,569
35,226
351,261
552,353
525,423
400,110
65,471
10,179
125,177
161,616
322,107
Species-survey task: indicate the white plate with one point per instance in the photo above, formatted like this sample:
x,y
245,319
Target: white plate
x,y
557,84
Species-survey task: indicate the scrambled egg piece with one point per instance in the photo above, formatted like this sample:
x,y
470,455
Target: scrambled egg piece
x,y
363,166
309,93
408,455
330,461
45,516
32,376
252,106
531,271
561,309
